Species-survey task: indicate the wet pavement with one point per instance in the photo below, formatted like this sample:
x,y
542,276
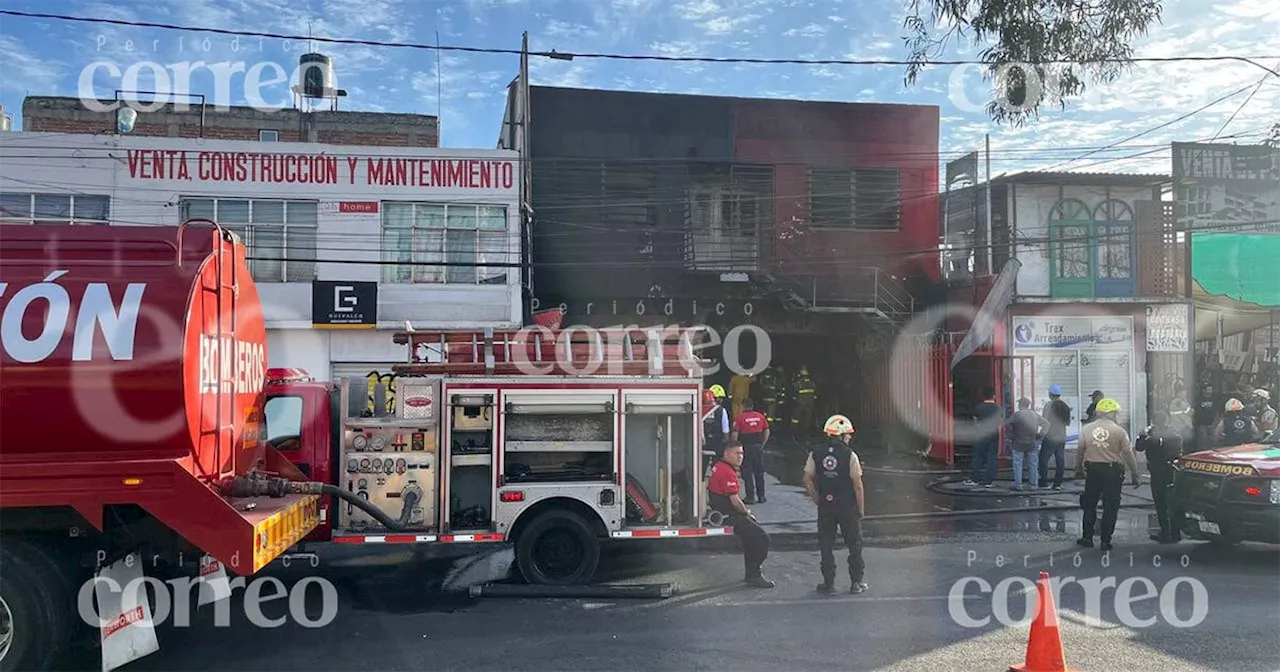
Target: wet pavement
x,y
908,495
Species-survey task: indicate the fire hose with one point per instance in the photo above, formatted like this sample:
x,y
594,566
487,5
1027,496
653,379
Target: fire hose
x,y
258,485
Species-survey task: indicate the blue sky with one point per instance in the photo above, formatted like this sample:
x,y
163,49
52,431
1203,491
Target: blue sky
x,y
47,57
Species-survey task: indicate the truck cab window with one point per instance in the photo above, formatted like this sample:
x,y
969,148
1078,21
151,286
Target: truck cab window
x,y
284,420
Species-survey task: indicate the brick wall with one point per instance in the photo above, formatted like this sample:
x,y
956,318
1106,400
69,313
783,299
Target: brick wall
x,y
68,115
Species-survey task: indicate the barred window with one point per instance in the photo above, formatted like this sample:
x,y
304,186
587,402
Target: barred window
x,y
54,209
856,199
279,236
461,238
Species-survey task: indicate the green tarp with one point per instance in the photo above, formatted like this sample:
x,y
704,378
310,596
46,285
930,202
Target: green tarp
x,y
1242,267
1237,279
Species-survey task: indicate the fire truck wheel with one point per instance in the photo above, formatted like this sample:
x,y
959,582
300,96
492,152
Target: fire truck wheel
x,y
558,548
35,619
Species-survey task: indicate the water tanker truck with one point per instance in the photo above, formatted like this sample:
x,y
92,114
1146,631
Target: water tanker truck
x,y
132,367
141,427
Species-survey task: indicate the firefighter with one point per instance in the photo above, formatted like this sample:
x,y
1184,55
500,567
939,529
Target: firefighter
x,y
751,429
833,480
766,390
739,390
1104,453
1235,427
1163,444
806,398
1263,414
723,489
786,401
715,423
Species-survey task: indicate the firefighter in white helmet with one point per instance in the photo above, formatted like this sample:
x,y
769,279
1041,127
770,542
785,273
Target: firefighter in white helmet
x,y
1263,413
833,480
1236,427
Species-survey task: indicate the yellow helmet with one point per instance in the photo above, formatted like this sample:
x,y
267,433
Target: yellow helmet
x,y
1108,405
837,425
1234,405
718,392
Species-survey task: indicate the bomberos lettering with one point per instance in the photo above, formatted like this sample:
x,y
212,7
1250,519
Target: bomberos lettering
x,y
98,312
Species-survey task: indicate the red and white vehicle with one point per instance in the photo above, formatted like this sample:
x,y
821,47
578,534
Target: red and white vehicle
x,y
552,441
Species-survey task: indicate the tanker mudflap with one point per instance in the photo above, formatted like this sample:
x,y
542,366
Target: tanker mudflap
x,y
274,532
123,612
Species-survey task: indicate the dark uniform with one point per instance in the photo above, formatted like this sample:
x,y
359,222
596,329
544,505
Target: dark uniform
x,y
722,485
1238,429
1163,446
806,398
833,468
715,429
767,392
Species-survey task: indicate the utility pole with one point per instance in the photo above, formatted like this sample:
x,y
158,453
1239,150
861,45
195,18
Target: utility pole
x,y
991,267
526,167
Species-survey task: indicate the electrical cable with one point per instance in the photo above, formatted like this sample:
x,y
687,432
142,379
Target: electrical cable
x,y
1232,118
565,55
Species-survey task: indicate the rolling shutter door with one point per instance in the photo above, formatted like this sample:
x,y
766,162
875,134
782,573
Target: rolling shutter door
x,y
1112,372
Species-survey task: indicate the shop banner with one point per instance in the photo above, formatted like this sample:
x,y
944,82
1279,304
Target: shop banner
x,y
1042,332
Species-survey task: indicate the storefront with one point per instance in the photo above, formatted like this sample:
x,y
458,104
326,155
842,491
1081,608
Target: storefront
x,y
1080,353
342,239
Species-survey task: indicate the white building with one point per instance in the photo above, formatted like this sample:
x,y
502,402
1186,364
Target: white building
x,y
312,215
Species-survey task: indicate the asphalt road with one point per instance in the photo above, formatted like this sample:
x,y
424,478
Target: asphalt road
x,y
391,615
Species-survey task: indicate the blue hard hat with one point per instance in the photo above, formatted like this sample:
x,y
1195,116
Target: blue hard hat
x,y
1055,389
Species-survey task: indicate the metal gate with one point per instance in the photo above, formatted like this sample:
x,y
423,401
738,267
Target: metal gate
x,y
1015,377
940,415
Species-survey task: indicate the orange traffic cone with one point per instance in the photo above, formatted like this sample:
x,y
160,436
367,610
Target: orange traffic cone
x,y
1044,647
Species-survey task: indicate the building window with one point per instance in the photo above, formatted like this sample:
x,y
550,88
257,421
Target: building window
x,y
267,135
867,199
54,209
279,236
418,236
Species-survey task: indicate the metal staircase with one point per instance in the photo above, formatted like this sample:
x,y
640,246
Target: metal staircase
x,y
868,291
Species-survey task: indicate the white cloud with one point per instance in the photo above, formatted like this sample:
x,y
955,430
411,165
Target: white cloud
x,y
23,71
812,30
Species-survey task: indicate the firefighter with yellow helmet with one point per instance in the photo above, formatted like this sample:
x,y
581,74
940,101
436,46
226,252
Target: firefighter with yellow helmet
x,y
715,423
1103,455
833,480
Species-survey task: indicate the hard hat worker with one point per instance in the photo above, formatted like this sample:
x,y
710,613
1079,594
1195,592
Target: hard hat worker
x,y
1236,426
724,496
833,480
1104,453
1054,445
715,422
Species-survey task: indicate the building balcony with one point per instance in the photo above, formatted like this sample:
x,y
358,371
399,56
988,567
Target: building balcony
x,y
716,251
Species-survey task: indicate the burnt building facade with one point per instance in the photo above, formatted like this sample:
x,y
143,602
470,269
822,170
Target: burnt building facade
x,y
807,219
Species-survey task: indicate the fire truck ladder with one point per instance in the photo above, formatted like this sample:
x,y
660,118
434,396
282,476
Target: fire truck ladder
x,y
540,351
224,404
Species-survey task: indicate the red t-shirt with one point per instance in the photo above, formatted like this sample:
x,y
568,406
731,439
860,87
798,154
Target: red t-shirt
x,y
751,422
724,480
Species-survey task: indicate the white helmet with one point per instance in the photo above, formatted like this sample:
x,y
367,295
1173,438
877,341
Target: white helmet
x,y
1262,394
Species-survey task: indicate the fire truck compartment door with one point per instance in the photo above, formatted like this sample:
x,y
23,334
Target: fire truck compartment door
x,y
658,403
560,402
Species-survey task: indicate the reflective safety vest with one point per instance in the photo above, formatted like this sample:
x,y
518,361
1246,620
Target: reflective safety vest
x,y
804,386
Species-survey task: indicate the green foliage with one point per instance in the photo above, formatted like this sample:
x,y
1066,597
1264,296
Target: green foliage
x,y
1067,44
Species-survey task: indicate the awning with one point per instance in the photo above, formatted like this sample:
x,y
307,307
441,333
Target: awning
x,y
1237,277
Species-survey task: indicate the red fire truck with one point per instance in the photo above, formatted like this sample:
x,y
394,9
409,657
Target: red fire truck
x,y
144,433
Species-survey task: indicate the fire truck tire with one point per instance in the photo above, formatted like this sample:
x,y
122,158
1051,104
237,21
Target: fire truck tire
x,y
36,615
558,548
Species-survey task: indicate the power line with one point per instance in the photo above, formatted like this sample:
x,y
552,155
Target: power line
x,y
1232,118
566,55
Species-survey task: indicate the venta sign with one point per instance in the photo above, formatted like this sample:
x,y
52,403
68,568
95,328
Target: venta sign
x,y
339,305
283,168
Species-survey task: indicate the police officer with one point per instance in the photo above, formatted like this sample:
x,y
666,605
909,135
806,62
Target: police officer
x,y
806,395
1163,444
1236,427
1103,455
723,491
833,480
